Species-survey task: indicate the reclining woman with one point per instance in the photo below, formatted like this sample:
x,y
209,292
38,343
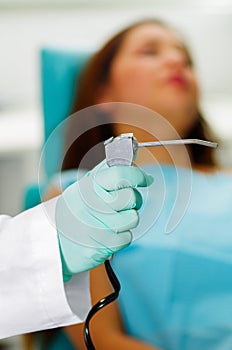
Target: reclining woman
x,y
176,288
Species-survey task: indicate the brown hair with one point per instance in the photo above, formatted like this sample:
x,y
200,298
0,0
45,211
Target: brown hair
x,y
95,75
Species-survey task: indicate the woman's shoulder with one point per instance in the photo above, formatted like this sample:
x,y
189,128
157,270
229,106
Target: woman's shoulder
x,y
227,171
218,170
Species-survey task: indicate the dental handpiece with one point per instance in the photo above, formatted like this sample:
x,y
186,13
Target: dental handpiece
x,y
122,150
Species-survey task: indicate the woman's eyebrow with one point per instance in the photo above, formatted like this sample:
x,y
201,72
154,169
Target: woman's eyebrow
x,y
152,41
148,42
157,41
160,41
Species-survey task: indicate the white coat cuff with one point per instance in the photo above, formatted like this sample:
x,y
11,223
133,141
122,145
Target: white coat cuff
x,y
66,303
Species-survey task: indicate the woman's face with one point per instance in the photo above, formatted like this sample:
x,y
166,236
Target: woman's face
x,y
152,68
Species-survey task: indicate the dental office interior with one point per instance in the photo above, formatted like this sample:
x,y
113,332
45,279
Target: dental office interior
x,y
28,27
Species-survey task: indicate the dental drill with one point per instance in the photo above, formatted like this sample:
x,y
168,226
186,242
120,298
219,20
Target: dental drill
x,y
122,150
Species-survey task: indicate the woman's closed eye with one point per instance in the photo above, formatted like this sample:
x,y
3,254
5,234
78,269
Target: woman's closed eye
x,y
149,50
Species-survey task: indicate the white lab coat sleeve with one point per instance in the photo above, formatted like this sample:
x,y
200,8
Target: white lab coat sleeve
x,y
32,293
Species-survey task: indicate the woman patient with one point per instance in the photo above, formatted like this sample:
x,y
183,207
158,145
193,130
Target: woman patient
x,y
176,289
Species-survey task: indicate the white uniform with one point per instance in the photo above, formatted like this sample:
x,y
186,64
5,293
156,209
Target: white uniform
x,y
32,293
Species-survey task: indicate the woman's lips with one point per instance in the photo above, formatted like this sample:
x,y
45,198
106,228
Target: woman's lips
x,y
177,80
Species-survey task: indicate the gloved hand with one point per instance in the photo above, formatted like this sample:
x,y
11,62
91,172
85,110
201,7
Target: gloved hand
x,y
94,216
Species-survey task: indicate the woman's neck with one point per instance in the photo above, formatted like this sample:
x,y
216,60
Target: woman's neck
x,y
176,155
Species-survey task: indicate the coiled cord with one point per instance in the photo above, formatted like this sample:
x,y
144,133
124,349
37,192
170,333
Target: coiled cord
x,y
102,303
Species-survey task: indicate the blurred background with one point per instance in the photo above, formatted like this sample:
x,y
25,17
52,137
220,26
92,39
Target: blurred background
x,y
28,26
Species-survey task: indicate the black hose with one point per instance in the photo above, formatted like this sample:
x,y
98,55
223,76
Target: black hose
x,y
102,303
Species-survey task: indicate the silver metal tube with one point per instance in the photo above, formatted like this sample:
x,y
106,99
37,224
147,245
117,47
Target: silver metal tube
x,y
178,142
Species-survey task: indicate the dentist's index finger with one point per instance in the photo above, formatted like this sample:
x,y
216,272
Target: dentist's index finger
x,y
122,176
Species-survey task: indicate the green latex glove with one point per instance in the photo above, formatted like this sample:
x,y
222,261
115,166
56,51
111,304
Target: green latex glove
x,y
94,216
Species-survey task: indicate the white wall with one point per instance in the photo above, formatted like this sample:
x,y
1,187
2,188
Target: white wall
x,y
24,30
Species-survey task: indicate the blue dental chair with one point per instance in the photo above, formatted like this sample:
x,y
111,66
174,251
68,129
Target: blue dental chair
x,y
59,71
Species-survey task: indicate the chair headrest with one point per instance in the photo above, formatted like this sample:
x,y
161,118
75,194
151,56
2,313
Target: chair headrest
x,y
60,69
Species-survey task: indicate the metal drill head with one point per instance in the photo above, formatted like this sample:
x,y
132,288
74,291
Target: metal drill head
x,y
121,149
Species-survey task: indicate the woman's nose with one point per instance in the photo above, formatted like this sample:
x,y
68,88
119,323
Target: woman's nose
x,y
176,57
